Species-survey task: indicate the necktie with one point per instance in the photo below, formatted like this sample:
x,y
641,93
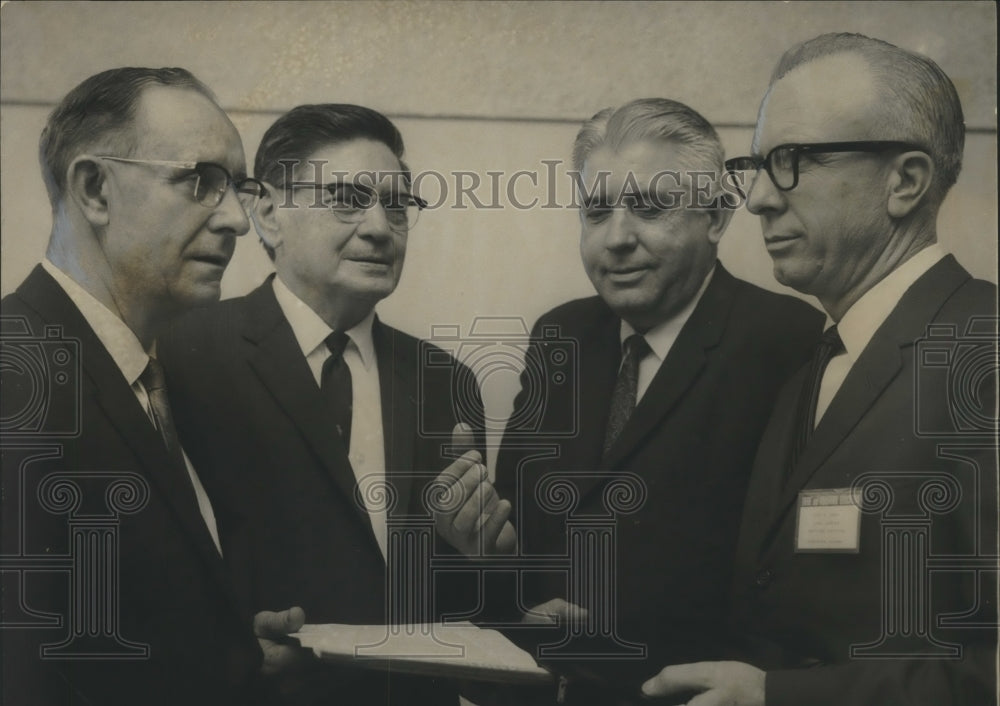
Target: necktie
x,y
154,380
624,396
805,415
336,385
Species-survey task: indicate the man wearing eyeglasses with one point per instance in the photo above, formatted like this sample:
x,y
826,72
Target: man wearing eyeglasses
x,y
678,363
867,565
146,178
312,407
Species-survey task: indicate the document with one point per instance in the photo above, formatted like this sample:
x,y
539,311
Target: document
x,y
456,650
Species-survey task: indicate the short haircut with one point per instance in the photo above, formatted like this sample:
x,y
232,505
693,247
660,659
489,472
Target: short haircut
x,y
100,111
303,130
653,119
917,101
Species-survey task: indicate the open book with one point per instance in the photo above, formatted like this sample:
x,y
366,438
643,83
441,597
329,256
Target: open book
x,y
458,650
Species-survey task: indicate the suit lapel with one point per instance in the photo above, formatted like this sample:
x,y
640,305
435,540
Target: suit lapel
x,y
282,368
876,368
397,375
683,364
599,348
115,398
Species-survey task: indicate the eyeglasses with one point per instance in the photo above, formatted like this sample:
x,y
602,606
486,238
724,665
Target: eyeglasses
x,y
782,163
211,181
350,201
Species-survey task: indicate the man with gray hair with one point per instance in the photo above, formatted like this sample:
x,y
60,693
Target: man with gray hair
x,y
118,587
867,562
677,365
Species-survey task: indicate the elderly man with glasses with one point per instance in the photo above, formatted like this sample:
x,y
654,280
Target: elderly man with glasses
x,y
117,585
867,565
310,409
678,363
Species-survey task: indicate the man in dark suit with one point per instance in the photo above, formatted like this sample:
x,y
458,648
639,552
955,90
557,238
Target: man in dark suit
x,y
316,418
677,364
867,560
116,588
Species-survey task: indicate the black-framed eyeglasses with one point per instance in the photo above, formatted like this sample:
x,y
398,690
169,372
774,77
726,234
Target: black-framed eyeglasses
x,y
211,181
350,202
782,163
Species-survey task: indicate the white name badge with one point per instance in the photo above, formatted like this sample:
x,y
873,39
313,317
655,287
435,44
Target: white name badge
x,y
828,521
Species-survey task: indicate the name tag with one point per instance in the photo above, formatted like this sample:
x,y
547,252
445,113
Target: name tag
x,y
828,521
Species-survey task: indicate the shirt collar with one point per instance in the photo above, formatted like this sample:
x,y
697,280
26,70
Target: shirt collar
x,y
114,334
662,336
311,331
863,319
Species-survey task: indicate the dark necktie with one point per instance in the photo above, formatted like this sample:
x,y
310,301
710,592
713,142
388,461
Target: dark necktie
x,y
154,380
829,346
626,388
336,385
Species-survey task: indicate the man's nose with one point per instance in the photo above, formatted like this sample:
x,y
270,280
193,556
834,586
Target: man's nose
x,y
621,231
229,215
375,222
763,194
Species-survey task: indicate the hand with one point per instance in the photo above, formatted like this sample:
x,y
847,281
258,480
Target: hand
x,y
471,516
720,683
555,611
270,629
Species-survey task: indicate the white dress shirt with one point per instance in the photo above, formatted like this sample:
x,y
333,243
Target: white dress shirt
x,y
131,359
863,319
367,452
661,339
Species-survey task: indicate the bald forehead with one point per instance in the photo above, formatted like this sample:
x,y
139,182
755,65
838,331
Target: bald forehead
x,y
828,99
183,124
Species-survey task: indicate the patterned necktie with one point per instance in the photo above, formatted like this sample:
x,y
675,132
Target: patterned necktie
x,y
154,380
626,388
336,385
829,346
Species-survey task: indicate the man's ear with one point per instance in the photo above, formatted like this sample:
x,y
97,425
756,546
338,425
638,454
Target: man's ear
x,y
265,217
909,179
719,216
87,187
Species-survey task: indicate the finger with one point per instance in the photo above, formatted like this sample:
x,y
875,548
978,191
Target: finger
x,y
680,677
544,613
295,620
494,524
507,541
455,482
564,610
573,613
269,624
488,509
468,516
462,437
536,617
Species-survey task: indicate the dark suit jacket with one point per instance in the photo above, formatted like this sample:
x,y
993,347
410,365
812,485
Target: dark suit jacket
x,y
908,408
174,591
257,426
691,439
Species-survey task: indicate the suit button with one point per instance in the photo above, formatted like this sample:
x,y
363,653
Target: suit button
x,y
764,578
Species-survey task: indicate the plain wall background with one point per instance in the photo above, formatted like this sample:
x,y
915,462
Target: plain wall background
x,y
479,87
